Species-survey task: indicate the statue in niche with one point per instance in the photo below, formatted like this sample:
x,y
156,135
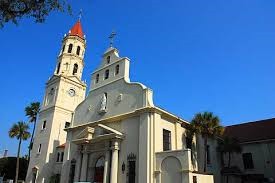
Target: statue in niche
x,y
103,104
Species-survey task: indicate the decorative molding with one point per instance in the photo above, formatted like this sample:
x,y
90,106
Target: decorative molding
x,y
131,157
137,112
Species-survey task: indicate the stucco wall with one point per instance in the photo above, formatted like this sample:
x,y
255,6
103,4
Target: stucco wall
x,y
262,155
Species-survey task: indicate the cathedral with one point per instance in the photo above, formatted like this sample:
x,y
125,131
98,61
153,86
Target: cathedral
x,y
114,134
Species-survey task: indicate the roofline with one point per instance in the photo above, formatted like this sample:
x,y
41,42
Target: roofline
x,y
257,141
258,121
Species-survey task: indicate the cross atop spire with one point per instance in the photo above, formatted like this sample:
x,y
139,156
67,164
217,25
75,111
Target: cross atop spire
x,y
111,37
80,14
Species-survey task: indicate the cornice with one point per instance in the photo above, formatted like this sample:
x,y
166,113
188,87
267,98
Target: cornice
x,y
56,78
55,107
135,113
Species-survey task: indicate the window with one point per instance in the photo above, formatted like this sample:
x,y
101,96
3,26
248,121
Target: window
x,y
108,59
131,168
58,156
67,124
248,161
188,142
75,69
34,175
166,140
39,149
106,74
195,179
62,157
208,159
117,70
58,68
52,91
78,50
70,48
97,78
44,125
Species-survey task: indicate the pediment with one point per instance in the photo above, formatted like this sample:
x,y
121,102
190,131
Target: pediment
x,y
109,129
53,78
86,134
100,131
76,79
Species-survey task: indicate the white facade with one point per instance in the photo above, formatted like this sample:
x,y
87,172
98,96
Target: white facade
x,y
116,134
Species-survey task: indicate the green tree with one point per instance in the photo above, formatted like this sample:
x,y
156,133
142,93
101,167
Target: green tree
x,y
32,112
13,10
19,130
208,125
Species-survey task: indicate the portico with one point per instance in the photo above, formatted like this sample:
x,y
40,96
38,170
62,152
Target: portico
x,y
97,157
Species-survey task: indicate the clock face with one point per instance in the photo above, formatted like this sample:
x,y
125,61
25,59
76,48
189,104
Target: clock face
x,y
71,92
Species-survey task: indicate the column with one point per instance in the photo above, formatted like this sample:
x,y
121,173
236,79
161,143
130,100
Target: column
x,y
78,167
114,167
84,167
106,164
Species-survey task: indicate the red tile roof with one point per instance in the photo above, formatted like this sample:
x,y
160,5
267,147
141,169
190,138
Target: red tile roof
x,y
61,146
252,131
76,30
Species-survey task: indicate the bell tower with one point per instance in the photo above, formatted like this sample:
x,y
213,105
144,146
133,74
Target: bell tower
x,y
64,92
70,60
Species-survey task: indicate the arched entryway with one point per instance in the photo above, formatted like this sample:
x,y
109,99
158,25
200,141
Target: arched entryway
x,y
99,170
170,170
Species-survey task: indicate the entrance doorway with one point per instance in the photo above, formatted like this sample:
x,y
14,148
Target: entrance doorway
x,y
99,170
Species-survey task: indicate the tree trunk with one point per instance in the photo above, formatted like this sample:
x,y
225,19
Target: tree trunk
x,y
31,142
205,153
17,161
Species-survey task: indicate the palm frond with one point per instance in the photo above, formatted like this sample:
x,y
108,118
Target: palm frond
x,y
19,130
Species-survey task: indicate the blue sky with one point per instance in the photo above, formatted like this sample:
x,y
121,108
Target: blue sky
x,y
196,55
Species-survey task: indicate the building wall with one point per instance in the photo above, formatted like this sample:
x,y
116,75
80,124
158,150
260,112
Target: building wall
x,y
262,155
215,159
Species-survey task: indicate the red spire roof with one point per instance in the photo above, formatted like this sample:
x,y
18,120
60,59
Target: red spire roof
x,y
76,30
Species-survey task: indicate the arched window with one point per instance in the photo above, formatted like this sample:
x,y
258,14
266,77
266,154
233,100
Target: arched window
x,y
108,59
97,78
75,69
106,74
99,170
58,68
62,157
58,156
70,48
34,174
117,70
78,50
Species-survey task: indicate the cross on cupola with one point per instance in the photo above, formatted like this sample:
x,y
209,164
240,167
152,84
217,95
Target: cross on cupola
x,y
80,15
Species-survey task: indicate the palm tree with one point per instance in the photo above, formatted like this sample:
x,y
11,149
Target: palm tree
x,y
19,130
208,125
32,112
